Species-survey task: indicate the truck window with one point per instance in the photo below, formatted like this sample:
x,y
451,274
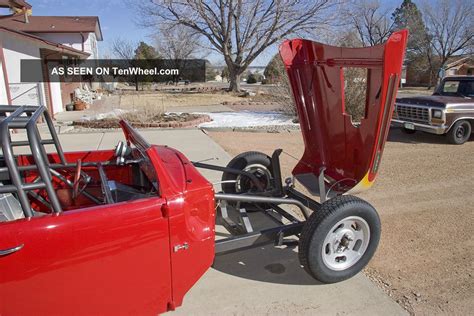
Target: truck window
x,y
458,88
467,88
450,87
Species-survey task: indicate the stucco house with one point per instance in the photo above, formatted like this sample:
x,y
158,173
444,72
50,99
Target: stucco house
x,y
461,65
25,36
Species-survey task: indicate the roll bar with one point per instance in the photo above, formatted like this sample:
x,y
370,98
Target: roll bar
x,y
26,118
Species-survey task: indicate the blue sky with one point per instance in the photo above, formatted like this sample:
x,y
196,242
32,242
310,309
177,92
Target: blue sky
x,y
117,20
115,16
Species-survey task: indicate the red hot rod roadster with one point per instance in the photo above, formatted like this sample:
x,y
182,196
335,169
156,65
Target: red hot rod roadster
x,y
130,230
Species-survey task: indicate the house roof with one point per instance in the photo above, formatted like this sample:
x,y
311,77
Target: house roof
x,y
19,4
49,44
53,24
459,61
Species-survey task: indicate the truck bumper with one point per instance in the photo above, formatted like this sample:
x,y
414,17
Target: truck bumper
x,y
432,129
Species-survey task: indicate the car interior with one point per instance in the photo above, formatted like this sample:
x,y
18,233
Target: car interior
x,y
89,179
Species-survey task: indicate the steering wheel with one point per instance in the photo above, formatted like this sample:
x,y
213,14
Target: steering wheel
x,y
79,176
77,179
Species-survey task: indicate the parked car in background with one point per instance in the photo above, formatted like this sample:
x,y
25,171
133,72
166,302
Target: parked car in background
x,y
449,111
185,82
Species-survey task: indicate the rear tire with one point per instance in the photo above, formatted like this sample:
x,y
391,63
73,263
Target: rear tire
x,y
254,162
460,132
339,240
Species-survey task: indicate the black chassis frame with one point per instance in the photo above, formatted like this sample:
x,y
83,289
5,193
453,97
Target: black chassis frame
x,y
243,236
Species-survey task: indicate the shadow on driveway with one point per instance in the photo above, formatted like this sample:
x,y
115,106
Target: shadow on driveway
x,y
266,264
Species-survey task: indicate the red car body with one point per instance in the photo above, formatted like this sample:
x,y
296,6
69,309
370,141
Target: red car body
x,y
120,259
349,153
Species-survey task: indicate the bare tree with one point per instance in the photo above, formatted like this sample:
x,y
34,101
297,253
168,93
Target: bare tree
x,y
240,29
349,38
370,21
450,27
177,42
125,50
122,48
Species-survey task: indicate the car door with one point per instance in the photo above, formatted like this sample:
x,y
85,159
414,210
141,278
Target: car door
x,y
104,260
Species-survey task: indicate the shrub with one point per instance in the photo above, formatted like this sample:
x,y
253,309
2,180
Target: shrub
x,y
281,93
251,78
275,70
355,88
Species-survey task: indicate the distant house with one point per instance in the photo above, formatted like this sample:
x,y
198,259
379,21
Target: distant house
x,y
418,69
25,36
460,65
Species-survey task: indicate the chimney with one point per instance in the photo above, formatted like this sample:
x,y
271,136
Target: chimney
x,y
25,12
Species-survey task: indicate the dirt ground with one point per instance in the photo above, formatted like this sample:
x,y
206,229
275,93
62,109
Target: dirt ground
x,y
424,195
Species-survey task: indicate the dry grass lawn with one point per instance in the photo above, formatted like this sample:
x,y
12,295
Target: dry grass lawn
x,y
163,100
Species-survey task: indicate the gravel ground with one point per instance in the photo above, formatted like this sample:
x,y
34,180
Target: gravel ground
x,y
424,194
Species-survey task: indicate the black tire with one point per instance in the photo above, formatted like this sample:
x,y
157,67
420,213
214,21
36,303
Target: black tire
x,y
408,131
460,132
263,171
321,225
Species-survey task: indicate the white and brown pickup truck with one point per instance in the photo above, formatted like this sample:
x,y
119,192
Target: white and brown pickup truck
x,y
449,111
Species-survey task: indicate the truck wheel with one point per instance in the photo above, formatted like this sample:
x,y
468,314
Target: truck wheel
x,y
408,131
460,132
253,162
339,240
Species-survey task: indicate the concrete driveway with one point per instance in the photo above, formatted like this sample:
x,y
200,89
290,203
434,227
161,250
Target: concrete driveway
x,y
261,281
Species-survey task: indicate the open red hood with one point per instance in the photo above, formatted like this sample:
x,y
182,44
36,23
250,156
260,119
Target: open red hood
x,y
347,154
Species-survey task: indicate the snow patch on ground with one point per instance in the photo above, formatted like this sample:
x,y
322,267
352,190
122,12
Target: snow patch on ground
x,y
115,113
247,119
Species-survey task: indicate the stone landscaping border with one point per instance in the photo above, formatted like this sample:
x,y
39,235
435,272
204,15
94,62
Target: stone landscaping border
x,y
249,103
191,123
169,89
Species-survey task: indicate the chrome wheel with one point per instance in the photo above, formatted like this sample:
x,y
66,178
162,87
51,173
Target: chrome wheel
x,y
244,184
339,239
346,243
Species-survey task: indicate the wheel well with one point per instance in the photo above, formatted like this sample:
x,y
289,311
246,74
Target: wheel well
x,y
470,120
472,125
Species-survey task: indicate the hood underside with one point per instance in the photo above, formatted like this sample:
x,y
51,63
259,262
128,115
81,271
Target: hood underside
x,y
341,156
